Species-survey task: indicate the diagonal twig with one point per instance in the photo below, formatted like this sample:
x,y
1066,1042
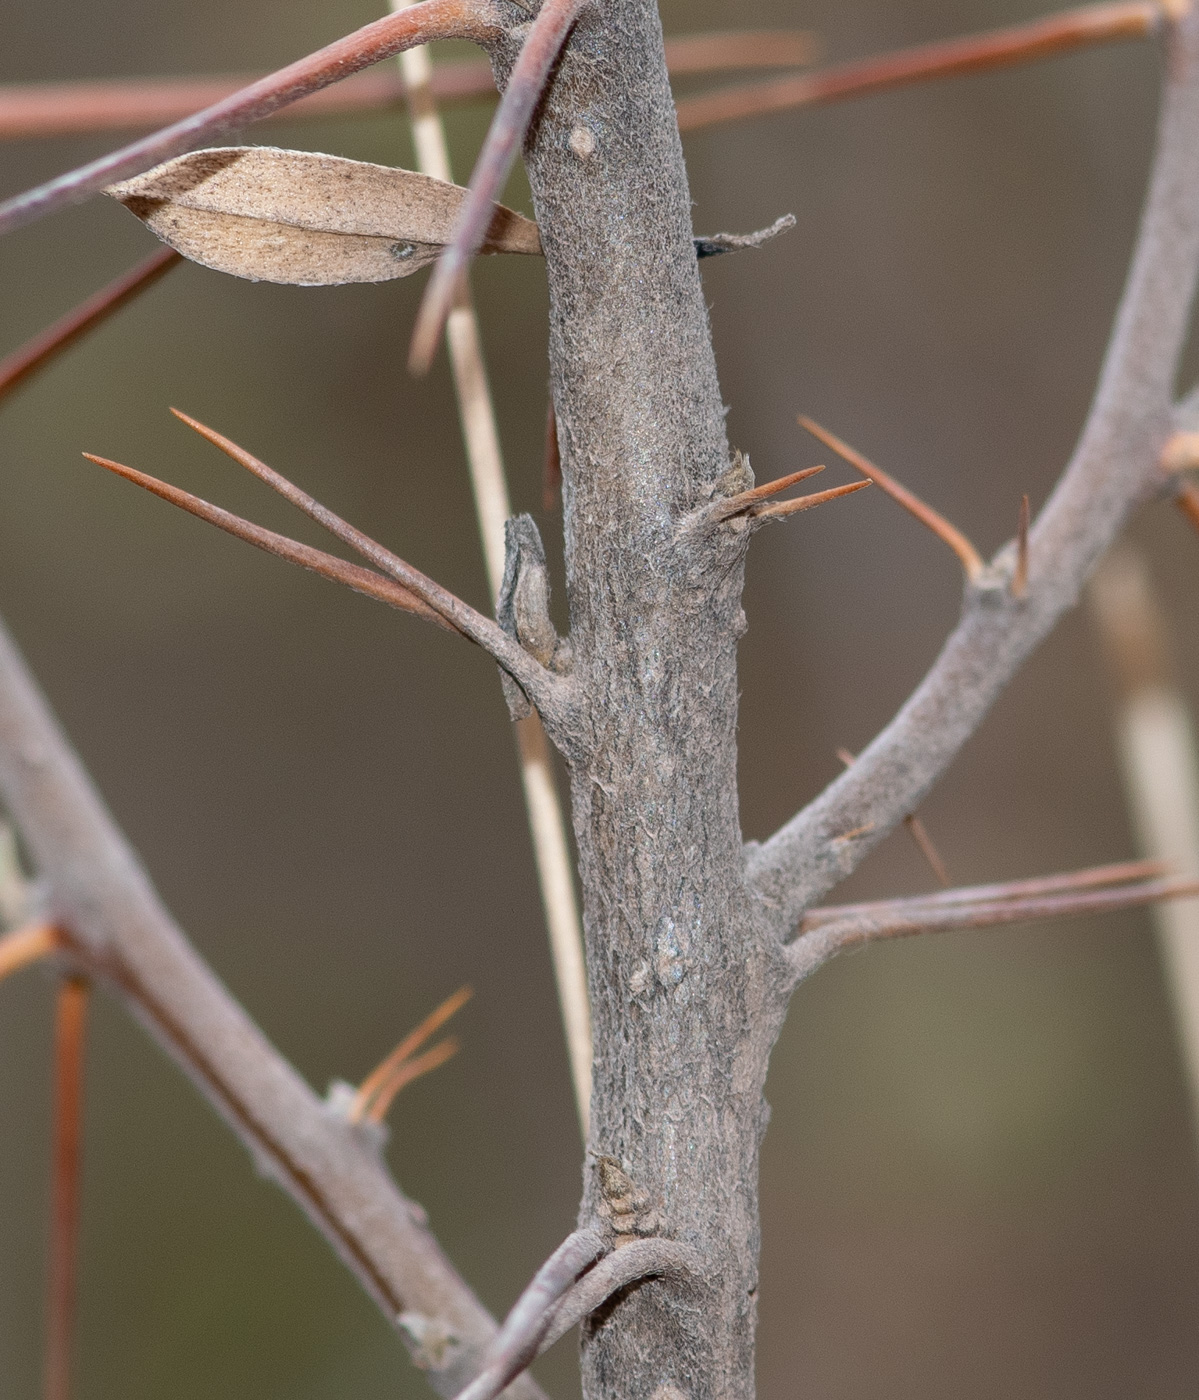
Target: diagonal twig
x,y
38,352
115,926
1094,877
640,1259
58,109
1077,28
526,1325
529,75
432,19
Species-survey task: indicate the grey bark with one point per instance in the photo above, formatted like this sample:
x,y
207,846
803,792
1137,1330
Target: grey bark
x,y
684,986
686,929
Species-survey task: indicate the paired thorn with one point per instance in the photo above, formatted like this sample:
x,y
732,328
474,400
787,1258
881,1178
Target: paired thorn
x,y
970,558
755,504
38,352
744,500
400,1068
27,945
546,36
1020,576
69,1044
915,828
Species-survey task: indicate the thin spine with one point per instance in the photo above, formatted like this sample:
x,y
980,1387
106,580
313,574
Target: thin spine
x,y
547,821
1020,577
1159,759
69,1040
968,556
375,1083
526,1325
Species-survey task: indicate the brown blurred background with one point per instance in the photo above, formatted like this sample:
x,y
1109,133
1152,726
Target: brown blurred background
x,y
979,1180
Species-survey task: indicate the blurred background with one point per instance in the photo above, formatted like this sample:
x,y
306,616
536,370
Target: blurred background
x,y
980,1178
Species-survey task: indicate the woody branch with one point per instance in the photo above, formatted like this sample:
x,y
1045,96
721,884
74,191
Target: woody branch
x,y
1115,468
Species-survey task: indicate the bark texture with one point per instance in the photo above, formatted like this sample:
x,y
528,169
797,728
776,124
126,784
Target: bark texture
x,y
683,1003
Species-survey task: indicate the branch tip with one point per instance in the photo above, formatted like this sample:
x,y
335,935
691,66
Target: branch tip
x,y
971,560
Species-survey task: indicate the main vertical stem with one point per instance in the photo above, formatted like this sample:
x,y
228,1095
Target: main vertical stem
x,y
682,1020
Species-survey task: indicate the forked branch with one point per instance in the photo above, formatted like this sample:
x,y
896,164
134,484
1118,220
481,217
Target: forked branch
x,y
1115,467
114,927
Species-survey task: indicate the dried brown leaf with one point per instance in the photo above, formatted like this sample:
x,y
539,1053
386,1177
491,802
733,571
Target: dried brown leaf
x,y
304,218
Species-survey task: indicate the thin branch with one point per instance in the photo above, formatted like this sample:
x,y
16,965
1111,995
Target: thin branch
x,y
489,485
35,354
432,19
904,918
1187,501
525,86
407,590
969,557
1114,468
526,1325
69,1042
25,946
59,109
1071,882
1078,28
375,1083
117,929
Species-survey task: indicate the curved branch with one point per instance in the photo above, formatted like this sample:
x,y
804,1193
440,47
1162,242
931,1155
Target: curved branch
x,y
1115,467
642,1259
114,925
383,38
